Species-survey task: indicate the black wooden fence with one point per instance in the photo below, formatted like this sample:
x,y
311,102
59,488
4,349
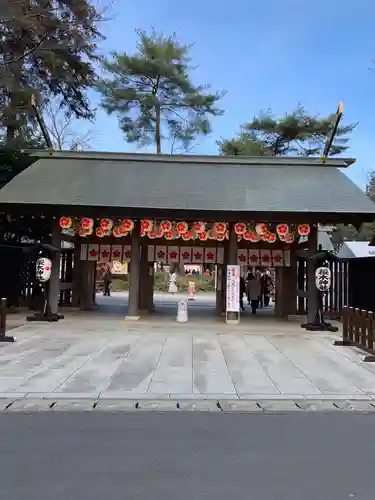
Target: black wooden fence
x,y
339,294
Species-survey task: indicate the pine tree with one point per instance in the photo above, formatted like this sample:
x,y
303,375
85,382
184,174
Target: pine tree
x,y
47,49
152,93
297,133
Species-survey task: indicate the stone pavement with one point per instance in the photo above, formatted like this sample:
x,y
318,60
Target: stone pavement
x,y
98,360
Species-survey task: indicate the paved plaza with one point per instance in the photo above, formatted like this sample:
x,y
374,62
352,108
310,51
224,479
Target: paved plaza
x,y
100,355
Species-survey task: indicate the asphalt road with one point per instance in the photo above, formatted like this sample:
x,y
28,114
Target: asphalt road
x,y
149,456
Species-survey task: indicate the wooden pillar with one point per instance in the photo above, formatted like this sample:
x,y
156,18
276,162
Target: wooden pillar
x,y
54,283
312,294
133,305
77,276
150,289
286,288
144,281
232,317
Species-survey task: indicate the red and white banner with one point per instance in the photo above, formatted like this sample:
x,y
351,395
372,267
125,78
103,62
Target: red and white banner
x,y
277,258
173,255
93,253
210,255
161,254
265,258
233,289
242,257
116,253
197,255
185,255
254,258
105,253
127,253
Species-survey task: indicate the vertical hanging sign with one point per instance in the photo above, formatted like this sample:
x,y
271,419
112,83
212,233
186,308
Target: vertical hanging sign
x,y
233,288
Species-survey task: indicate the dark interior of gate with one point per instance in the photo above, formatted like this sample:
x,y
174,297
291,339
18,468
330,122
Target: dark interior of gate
x,y
166,214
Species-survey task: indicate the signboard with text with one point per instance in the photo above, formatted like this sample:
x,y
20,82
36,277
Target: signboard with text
x,y
233,288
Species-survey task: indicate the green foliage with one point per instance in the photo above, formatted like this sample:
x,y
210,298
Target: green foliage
x,y
161,283
370,186
297,133
153,95
47,49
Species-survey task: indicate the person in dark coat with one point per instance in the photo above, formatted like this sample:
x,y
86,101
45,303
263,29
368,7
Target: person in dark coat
x,y
107,279
242,292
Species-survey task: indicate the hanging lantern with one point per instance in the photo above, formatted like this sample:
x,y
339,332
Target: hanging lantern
x,y
143,233
83,232
247,235
166,226
186,236
151,235
240,228
160,233
220,227
123,231
127,224
66,222
168,235
87,223
254,238
261,228
99,232
203,236
106,224
182,227
271,237
116,232
303,229
146,225
264,236
282,237
199,227
220,237
282,229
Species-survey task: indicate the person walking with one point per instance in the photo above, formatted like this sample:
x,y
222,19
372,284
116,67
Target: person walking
x,y
242,292
107,280
173,283
253,292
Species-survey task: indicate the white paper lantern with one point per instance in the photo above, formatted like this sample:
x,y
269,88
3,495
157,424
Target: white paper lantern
x,y
43,269
323,279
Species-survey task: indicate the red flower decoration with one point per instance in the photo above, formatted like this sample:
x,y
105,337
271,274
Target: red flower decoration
x,y
199,227
198,255
93,253
261,228
173,255
182,227
106,224
186,255
303,229
166,225
127,254
161,254
271,238
146,225
116,254
105,254
282,229
240,228
242,258
127,224
86,223
220,227
65,222
99,232
210,255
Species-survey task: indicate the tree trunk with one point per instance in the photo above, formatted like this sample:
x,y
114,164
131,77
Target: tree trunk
x,y
157,128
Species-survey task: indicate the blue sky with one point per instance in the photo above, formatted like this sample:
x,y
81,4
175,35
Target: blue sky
x,y
270,54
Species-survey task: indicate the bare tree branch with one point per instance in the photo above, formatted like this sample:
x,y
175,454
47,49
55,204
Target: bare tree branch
x,y
64,136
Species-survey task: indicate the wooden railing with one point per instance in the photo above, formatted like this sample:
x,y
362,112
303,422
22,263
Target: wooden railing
x,y
359,331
